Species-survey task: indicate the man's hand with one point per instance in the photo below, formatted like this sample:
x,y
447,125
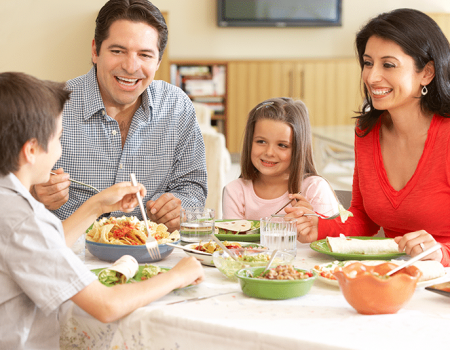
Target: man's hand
x,y
55,192
165,210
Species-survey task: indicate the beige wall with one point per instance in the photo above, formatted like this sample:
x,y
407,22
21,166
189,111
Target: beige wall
x,y
51,39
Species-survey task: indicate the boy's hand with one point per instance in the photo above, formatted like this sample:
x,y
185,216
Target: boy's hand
x,y
55,192
165,210
119,197
189,271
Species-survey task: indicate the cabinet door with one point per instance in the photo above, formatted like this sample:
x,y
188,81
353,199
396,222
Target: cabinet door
x,y
332,91
251,82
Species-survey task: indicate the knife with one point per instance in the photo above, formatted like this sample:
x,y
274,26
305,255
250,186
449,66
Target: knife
x,y
199,298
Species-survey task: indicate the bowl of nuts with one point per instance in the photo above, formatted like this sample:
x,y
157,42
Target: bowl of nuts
x,y
278,283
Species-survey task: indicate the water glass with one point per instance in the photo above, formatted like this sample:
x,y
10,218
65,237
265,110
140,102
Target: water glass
x,y
196,224
79,247
278,233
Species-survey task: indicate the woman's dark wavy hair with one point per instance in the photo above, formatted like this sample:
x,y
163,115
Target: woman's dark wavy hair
x,y
131,10
295,114
421,38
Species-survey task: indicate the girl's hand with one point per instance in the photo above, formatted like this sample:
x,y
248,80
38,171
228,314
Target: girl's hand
x,y
301,201
307,226
411,244
307,229
119,197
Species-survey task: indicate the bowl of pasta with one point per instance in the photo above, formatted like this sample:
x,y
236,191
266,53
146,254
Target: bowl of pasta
x,y
110,238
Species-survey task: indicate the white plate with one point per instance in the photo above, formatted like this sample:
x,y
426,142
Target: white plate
x,y
207,259
335,283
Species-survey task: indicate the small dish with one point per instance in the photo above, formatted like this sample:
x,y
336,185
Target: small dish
x,y
207,260
273,289
321,246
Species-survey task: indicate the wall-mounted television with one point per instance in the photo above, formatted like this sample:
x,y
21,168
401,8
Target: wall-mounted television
x,y
278,13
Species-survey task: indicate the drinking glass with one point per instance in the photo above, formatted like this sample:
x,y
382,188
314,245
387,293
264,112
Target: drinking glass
x,y
278,233
79,247
196,224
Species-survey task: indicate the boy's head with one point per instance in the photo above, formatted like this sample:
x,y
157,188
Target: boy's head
x,y
29,110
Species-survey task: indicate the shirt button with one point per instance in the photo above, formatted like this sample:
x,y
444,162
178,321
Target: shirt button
x,y
114,132
120,166
103,112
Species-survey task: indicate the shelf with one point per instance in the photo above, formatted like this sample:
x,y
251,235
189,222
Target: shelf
x,y
204,82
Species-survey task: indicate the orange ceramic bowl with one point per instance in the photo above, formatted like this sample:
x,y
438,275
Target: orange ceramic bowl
x,y
370,294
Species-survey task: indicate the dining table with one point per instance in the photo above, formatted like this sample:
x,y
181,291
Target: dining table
x,y
321,319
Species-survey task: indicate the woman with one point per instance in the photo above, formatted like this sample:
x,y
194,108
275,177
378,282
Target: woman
x,y
402,170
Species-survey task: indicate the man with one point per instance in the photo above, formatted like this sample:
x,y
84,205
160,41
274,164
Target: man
x,y
119,121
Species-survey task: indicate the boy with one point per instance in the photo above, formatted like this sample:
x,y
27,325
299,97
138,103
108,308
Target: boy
x,y
38,271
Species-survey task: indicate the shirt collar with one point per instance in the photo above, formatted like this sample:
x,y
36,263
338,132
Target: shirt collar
x,y
11,182
93,102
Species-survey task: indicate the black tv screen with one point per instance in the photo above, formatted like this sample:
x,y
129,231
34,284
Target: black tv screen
x,y
278,13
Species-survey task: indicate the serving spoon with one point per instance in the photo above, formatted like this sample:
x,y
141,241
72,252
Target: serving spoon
x,y
414,259
225,249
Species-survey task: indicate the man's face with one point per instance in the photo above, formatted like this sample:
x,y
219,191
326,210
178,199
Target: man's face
x,y
126,64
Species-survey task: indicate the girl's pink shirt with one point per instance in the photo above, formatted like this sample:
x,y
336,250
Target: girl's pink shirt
x,y
241,202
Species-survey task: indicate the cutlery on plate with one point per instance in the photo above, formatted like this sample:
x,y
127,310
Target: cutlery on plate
x,y
188,249
225,249
78,182
199,298
151,243
414,259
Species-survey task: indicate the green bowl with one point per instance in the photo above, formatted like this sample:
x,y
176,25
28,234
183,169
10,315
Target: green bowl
x,y
273,289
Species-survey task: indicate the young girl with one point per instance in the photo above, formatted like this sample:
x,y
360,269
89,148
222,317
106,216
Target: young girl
x,y
276,164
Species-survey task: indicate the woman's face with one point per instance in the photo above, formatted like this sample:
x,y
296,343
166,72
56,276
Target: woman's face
x,y
391,77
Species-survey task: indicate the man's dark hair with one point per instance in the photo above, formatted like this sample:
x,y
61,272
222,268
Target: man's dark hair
x,y
131,10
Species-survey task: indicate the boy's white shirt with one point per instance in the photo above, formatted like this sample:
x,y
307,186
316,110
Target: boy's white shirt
x,y
31,288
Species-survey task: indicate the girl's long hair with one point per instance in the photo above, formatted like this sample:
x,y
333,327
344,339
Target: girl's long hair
x,y
295,114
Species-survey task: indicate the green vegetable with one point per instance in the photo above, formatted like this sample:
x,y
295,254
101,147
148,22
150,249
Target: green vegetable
x,y
150,271
109,277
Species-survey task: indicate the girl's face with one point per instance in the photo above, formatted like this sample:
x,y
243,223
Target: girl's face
x,y
390,76
272,147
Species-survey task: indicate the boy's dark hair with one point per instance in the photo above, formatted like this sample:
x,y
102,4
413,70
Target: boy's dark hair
x,y
131,10
29,109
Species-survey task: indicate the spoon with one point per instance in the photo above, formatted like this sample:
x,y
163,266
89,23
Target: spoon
x,y
416,258
225,249
270,261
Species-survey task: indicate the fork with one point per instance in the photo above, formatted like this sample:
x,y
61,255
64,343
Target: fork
x,y
151,243
78,182
322,216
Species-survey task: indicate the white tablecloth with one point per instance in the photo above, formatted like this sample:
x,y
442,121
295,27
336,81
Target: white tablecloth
x,y
321,319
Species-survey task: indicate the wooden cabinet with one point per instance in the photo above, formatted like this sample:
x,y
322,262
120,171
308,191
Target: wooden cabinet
x,y
329,88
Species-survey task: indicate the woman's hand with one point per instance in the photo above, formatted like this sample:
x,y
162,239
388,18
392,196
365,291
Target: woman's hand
x,y
119,197
414,243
